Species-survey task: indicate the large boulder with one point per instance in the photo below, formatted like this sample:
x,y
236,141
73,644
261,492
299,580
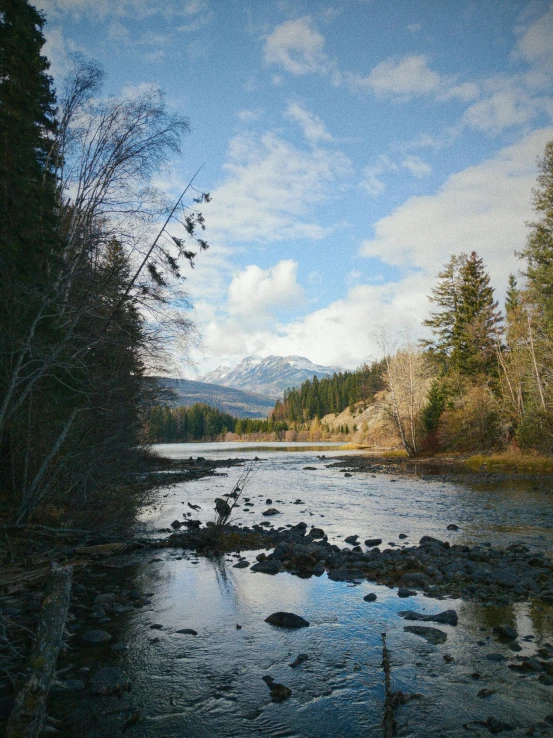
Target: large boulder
x,y
287,620
448,617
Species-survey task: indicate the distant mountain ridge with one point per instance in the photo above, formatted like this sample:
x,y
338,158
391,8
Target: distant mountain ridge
x,y
269,376
185,392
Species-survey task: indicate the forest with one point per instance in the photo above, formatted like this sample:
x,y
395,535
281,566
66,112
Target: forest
x,y
88,276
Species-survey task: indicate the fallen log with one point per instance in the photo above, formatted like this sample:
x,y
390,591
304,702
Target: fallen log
x,y
28,715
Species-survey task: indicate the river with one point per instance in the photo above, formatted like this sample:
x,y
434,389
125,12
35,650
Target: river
x,y
211,684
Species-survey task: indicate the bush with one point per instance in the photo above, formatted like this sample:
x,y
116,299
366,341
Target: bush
x,y
472,424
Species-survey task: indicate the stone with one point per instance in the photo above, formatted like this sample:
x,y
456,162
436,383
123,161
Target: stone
x,y
447,617
95,637
432,635
119,647
268,501
286,620
222,508
345,575
316,533
347,474
402,536
109,680
505,632
495,725
102,599
452,526
176,525
241,564
404,592
279,692
495,657
271,511
352,540
187,631
300,658
484,693
310,468
373,542
156,626
429,541
268,566
371,597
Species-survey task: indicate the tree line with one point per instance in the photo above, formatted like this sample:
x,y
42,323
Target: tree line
x,y
319,397
88,274
200,422
484,380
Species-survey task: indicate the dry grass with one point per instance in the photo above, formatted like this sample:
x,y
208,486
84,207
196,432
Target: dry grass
x,y
511,462
397,453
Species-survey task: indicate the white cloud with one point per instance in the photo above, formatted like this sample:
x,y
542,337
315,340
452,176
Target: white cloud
x,y
371,181
535,44
482,208
342,333
255,293
506,107
410,77
249,116
313,127
272,188
405,77
416,166
297,46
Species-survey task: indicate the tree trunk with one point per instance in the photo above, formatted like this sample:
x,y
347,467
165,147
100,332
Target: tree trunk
x,y
29,711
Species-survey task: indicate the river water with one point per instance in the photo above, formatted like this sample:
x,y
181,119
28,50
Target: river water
x,y
211,684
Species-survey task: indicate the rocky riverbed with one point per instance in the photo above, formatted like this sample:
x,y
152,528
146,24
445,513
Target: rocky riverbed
x,y
183,635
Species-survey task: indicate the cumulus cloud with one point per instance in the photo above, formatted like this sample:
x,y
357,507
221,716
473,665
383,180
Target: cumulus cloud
x,y
272,189
312,126
504,108
298,47
408,77
482,208
255,293
535,42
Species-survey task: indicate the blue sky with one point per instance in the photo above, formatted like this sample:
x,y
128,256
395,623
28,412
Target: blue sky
x,y
350,148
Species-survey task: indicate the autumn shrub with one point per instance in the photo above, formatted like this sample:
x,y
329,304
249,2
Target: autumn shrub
x,y
471,423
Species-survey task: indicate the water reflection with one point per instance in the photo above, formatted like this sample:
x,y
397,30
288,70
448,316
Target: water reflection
x,y
212,684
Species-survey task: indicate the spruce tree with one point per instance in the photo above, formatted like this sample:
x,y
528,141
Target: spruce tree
x,y
27,130
539,247
467,326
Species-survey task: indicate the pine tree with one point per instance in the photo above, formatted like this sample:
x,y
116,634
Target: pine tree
x,y
539,247
467,327
27,129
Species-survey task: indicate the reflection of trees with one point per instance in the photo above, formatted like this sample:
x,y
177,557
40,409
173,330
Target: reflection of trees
x,y
542,618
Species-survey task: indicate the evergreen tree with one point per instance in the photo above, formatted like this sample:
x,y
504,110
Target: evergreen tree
x,y
468,324
27,129
539,247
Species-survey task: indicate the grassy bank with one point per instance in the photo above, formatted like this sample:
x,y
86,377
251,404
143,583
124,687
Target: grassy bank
x,y
526,463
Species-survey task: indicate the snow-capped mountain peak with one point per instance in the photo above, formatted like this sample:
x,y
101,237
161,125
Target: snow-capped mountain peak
x,y
270,375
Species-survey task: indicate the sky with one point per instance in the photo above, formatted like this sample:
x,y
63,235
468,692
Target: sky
x,y
350,148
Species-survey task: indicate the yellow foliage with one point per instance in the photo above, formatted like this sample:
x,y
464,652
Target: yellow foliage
x,y
505,462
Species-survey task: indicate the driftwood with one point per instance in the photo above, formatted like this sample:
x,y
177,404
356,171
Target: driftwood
x,y
28,715
389,720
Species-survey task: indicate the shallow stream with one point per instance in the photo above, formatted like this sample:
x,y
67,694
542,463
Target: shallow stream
x,y
211,684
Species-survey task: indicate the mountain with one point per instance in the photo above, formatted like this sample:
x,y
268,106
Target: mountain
x,y
269,376
236,402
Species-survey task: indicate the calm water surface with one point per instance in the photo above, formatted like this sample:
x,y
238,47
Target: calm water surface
x,y
211,685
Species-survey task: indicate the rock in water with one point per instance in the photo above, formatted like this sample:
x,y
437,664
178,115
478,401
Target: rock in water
x,y
373,542
300,658
279,692
432,635
110,680
448,617
505,632
351,540
271,511
187,631
96,637
286,620
371,597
